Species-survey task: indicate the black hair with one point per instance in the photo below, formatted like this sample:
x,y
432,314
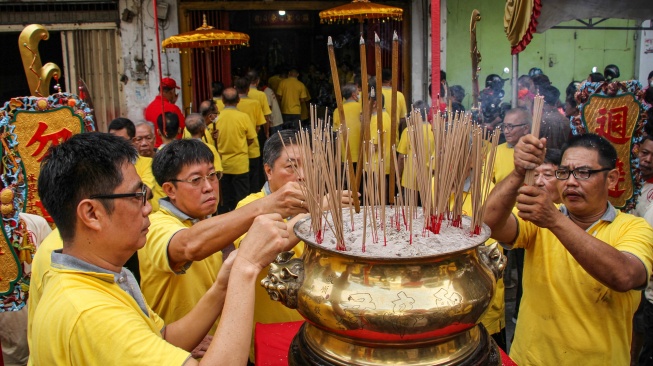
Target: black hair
x,y
590,141
596,77
386,75
84,165
540,81
551,94
571,89
457,92
172,125
123,123
553,156
252,76
173,157
217,88
242,85
273,146
422,107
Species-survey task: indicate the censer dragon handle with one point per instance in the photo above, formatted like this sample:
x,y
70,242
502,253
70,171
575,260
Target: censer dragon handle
x,y
492,257
38,75
284,279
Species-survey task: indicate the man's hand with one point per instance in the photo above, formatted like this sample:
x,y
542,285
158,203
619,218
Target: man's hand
x,y
529,153
535,205
287,201
346,197
225,270
201,348
267,237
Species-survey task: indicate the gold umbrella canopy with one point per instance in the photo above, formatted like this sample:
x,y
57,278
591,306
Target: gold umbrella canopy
x,y
360,10
206,36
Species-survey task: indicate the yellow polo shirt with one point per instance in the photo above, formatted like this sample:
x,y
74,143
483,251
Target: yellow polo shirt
x,y
262,98
352,111
40,270
566,316
217,162
86,318
402,110
504,162
235,128
266,310
144,170
170,294
252,108
207,138
292,91
386,139
408,177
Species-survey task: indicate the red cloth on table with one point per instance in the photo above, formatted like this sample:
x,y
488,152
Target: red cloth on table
x,y
272,341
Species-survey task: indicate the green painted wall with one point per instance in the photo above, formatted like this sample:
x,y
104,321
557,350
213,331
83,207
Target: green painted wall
x,y
564,55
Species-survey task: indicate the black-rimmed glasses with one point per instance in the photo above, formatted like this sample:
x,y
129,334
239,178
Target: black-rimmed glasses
x,y
142,194
196,181
579,173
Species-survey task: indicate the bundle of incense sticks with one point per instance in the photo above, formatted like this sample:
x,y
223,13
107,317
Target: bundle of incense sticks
x,y
538,104
484,149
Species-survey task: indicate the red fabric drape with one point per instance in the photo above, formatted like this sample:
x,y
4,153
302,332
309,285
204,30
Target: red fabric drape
x,y
385,31
220,57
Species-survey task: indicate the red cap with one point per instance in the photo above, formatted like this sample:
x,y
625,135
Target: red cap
x,y
169,83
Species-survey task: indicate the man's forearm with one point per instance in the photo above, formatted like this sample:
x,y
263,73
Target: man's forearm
x,y
187,332
499,207
617,270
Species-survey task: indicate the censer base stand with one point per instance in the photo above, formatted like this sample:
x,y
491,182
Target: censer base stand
x,y
474,347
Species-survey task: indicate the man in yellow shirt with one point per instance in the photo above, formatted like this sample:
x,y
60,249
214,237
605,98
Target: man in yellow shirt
x,y
253,108
516,123
352,110
197,129
92,311
209,111
584,261
405,149
183,252
402,109
236,135
291,94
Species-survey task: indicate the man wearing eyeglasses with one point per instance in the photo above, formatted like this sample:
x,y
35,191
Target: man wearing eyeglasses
x,y
583,261
183,253
164,102
516,123
92,311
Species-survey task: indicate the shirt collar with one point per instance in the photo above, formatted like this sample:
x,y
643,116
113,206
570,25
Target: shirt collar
x,y
266,189
609,215
125,279
164,203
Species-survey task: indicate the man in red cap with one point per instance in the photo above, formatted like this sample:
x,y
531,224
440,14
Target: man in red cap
x,y
165,102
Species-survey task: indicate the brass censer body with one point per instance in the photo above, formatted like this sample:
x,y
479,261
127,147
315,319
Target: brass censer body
x,y
388,311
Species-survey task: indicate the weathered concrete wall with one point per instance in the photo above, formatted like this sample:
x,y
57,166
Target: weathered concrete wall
x,y
138,42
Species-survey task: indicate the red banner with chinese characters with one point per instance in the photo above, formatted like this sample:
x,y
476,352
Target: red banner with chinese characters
x,y
615,111
37,131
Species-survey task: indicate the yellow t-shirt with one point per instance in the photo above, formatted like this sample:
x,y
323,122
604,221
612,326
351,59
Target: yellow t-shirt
x,y
262,98
273,82
292,91
144,170
172,295
386,139
234,129
402,110
566,316
85,318
207,138
252,108
353,121
217,162
408,179
504,162
267,310
40,270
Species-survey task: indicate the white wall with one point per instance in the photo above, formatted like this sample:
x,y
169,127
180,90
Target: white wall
x,y
644,55
139,50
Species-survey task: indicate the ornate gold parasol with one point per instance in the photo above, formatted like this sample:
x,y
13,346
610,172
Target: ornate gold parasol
x,y
360,10
206,37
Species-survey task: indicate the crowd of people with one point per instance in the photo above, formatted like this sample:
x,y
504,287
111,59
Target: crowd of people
x,y
165,226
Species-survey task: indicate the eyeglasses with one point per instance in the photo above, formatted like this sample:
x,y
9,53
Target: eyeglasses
x,y
143,194
509,128
148,138
196,181
580,173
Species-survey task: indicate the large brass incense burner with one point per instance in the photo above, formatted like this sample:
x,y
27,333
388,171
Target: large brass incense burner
x,y
389,311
